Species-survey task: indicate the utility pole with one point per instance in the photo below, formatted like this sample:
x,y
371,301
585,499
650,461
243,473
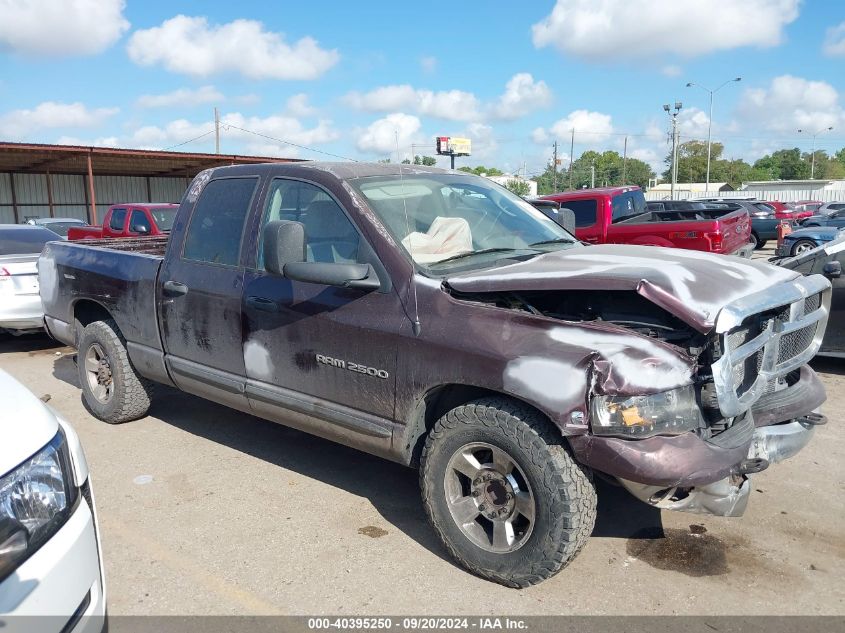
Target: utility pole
x,y
813,163
571,156
674,116
624,160
710,119
216,131
554,166
592,174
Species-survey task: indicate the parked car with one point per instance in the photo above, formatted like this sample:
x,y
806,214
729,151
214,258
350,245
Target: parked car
x,y
833,217
130,220
829,207
827,260
50,556
764,223
20,305
437,319
787,211
552,210
806,239
59,226
619,215
805,206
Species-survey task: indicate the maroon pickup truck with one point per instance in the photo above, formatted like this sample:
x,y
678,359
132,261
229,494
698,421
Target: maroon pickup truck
x,y
618,215
437,319
130,220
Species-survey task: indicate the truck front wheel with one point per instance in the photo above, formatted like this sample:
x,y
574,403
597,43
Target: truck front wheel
x,y
503,493
111,388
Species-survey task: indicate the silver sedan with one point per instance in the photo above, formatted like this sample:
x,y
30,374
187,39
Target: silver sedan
x,y
20,305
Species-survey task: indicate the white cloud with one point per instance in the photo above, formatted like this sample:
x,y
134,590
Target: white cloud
x,y
622,29
540,136
671,70
428,64
298,106
17,124
522,95
834,41
590,127
70,27
451,105
380,137
692,124
237,127
790,103
182,97
192,46
101,141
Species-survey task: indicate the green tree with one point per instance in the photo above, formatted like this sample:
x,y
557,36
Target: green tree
x,y
428,161
519,187
784,164
481,169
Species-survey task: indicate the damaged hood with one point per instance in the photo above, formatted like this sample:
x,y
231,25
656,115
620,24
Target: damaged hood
x,y
691,285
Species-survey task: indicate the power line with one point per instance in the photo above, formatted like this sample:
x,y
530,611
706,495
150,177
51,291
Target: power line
x,y
196,138
279,140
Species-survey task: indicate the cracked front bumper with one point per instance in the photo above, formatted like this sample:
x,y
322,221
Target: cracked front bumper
x,y
691,474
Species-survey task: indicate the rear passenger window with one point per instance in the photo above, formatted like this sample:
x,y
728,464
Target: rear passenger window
x,y
584,210
329,235
214,234
118,219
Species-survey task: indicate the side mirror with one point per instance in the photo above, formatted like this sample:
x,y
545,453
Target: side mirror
x,y
567,219
284,243
140,229
832,270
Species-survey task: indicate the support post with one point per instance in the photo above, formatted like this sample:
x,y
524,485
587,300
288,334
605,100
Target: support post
x,y
14,198
571,156
554,166
50,194
92,196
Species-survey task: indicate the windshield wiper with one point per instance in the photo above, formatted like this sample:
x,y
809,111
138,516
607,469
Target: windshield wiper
x,y
470,253
557,240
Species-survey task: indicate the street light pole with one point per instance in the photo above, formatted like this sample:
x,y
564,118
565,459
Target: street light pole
x,y
813,161
674,117
710,118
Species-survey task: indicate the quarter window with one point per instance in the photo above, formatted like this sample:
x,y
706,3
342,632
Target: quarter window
x,y
217,223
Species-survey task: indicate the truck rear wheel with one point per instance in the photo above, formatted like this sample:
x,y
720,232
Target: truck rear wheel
x,y
503,494
111,388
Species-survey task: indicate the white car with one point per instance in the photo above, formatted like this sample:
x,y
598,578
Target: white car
x,y
20,304
50,558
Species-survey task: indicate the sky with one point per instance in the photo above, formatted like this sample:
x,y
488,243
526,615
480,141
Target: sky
x,y
359,81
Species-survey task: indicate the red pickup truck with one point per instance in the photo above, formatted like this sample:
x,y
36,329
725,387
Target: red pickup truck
x,y
130,220
618,215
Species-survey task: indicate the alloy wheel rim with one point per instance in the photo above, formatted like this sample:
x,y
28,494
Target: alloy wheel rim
x,y
489,497
98,373
802,248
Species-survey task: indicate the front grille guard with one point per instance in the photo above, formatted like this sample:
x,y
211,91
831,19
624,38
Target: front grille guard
x,y
792,295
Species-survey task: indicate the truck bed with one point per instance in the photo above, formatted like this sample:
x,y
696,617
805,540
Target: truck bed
x,y
114,275
691,215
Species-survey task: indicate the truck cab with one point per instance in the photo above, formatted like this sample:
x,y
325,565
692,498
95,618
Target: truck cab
x,y
130,220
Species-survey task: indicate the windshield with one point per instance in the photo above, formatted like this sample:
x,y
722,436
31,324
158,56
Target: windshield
x,y
164,218
449,220
24,240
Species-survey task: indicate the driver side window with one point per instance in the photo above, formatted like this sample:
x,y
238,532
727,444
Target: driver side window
x,y
330,236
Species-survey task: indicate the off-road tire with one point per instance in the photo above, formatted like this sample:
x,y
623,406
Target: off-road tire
x,y
564,495
132,394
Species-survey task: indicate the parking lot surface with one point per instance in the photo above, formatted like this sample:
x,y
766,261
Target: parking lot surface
x,y
205,510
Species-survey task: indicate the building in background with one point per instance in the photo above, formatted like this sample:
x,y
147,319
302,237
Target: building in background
x,y
68,181
687,189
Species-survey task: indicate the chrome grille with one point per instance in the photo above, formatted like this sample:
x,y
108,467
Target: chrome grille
x,y
765,336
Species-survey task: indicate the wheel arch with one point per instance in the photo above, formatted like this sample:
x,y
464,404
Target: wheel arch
x,y
87,311
434,404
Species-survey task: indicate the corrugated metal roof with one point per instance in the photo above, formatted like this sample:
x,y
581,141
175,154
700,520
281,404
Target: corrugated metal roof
x,y
73,159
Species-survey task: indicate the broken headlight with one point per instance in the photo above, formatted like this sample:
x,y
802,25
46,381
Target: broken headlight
x,y
667,413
